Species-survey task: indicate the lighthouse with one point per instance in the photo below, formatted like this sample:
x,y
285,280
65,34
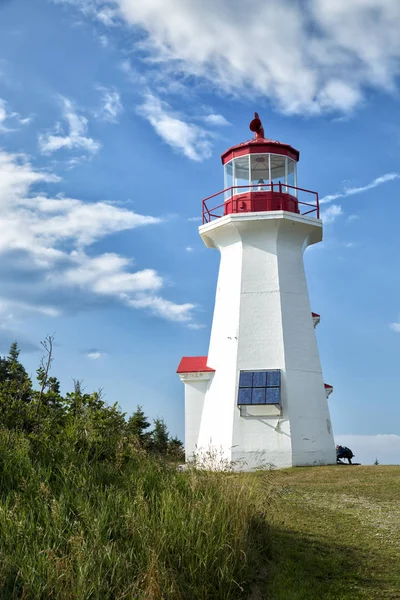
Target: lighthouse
x,y
259,399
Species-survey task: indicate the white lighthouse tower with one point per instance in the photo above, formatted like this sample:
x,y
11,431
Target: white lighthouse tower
x,y
259,397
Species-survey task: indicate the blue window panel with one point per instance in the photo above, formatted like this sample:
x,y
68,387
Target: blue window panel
x,y
273,378
246,379
244,396
260,379
258,395
273,396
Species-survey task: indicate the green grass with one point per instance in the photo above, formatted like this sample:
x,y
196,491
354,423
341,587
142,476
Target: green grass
x,y
71,527
335,534
134,527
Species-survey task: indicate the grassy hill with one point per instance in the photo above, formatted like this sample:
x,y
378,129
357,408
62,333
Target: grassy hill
x,y
126,525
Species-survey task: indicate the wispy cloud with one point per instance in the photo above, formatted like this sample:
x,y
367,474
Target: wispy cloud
x,y
75,138
10,120
104,11
358,190
395,327
95,354
111,106
44,244
330,214
164,308
189,139
216,119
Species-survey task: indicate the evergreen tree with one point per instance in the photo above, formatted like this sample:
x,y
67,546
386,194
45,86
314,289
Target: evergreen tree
x,y
137,425
176,449
78,422
14,379
159,437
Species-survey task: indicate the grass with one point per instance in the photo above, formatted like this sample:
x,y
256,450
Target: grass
x,y
79,528
335,534
134,527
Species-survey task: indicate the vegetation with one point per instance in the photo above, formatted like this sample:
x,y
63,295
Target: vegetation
x,y
334,534
93,507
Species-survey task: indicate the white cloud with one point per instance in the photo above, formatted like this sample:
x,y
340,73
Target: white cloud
x,y
307,57
76,138
395,327
358,190
330,214
164,308
196,326
193,141
111,105
9,120
106,274
84,223
48,237
95,354
17,176
108,16
189,249
215,119
367,448
193,219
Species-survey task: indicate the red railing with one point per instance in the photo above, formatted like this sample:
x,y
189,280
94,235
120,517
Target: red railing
x,y
305,208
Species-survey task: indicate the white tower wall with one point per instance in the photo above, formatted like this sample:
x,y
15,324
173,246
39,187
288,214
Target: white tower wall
x,y
262,320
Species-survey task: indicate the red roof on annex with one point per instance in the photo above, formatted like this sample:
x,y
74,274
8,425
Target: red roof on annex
x,y
194,364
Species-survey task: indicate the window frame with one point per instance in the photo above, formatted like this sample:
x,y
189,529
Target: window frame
x,y
265,387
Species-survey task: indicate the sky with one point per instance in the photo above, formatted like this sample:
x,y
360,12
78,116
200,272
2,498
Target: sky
x,y
113,117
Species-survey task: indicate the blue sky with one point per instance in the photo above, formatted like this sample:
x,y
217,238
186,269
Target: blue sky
x,y
113,115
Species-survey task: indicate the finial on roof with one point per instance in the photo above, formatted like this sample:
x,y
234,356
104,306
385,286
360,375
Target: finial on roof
x,y
257,127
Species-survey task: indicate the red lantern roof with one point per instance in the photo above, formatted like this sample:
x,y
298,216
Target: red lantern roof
x,y
259,145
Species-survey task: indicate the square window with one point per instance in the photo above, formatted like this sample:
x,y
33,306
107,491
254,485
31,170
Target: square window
x,y
259,379
246,379
273,379
244,396
273,395
259,387
258,395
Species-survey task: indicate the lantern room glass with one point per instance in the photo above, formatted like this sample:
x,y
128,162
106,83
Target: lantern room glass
x,y
291,176
241,174
260,171
259,164
228,183
278,168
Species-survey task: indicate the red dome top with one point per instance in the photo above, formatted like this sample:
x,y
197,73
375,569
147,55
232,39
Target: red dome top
x,y
259,145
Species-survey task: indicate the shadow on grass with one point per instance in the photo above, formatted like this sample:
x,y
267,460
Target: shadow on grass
x,y
301,567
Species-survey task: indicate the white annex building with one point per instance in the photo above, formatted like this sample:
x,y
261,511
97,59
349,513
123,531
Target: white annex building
x,y
259,397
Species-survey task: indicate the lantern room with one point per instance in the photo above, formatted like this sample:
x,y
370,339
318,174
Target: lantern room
x,y
260,175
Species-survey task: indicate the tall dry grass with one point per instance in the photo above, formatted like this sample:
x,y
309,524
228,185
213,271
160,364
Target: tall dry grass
x,y
76,527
